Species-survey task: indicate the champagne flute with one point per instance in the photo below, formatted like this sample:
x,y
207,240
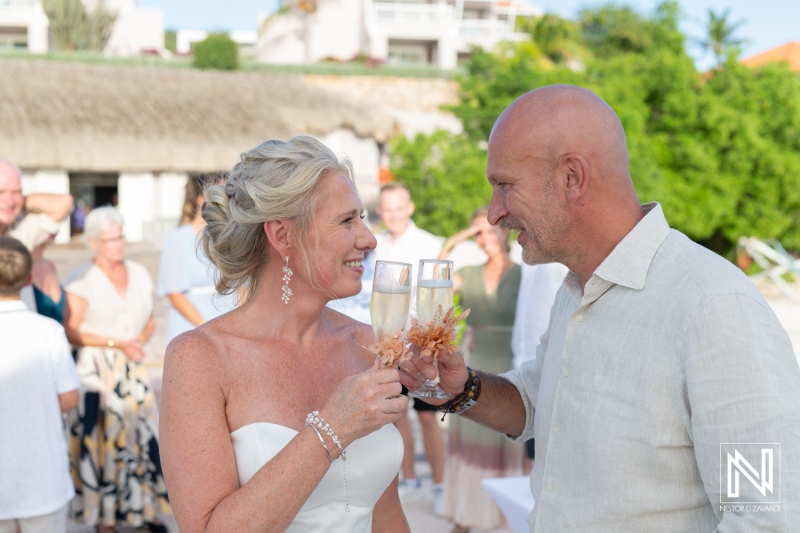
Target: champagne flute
x,y
434,288
391,295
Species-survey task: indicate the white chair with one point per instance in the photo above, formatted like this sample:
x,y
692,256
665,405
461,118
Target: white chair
x,y
775,262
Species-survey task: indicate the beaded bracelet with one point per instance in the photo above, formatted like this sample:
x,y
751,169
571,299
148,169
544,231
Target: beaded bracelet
x,y
314,420
465,400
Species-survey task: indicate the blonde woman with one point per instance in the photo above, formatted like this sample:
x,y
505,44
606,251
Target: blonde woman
x,y
114,433
274,417
185,275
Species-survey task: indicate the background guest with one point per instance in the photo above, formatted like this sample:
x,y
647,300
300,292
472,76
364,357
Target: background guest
x,y
37,383
114,447
50,297
31,219
475,452
185,276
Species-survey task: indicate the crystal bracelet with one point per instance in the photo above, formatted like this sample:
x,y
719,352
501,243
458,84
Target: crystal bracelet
x,y
314,419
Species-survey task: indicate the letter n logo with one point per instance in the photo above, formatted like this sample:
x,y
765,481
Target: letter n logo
x,y
748,472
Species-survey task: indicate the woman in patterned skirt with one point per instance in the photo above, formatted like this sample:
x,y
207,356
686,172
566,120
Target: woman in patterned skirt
x,y
114,448
475,452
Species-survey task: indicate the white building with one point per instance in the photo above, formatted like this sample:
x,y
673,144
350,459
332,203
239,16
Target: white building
x,y
24,26
436,32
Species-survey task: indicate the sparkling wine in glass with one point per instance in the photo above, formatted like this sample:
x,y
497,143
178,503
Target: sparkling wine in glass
x,y
434,288
391,295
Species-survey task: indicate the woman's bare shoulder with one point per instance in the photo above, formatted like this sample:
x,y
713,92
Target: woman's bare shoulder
x,y
359,332
196,351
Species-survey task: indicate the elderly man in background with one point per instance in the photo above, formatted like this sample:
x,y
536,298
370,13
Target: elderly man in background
x,y
661,363
30,219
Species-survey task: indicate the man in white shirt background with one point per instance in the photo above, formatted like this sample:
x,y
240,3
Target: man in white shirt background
x,y
404,242
38,382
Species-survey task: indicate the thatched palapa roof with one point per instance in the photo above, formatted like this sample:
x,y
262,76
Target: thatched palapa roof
x,y
121,118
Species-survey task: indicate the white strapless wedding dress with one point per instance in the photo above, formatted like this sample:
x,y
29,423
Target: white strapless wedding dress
x,y
372,463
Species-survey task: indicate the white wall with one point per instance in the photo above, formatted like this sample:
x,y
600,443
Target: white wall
x,y
136,30
137,192
335,30
29,19
364,154
169,195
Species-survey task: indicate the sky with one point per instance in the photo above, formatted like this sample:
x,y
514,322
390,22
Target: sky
x,y
767,23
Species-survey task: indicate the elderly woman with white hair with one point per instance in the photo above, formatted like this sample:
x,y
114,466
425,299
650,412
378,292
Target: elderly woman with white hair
x,y
114,448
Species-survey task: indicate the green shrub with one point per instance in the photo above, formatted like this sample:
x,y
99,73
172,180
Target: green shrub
x,y
217,51
446,175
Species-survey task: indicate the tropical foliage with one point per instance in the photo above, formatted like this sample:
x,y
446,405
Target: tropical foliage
x,y
720,150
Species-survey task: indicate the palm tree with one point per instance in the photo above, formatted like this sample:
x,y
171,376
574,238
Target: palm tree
x,y
720,32
74,27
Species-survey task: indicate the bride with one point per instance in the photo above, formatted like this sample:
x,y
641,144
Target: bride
x,y
273,416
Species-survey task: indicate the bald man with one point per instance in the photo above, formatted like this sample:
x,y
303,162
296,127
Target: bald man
x,y
664,395
30,219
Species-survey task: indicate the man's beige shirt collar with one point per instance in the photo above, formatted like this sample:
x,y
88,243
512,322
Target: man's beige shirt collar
x,y
629,261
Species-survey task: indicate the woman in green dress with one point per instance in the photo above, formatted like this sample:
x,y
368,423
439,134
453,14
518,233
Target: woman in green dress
x,y
473,451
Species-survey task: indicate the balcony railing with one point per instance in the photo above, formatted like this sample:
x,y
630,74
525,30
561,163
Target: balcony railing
x,y
483,29
412,14
488,30
405,17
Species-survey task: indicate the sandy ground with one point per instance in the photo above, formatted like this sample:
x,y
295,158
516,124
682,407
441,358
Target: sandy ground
x,y
419,510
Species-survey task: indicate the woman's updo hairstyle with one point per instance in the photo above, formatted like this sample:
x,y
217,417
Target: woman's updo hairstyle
x,y
276,180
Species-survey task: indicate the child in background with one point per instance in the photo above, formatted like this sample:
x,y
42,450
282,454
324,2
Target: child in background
x,y
38,382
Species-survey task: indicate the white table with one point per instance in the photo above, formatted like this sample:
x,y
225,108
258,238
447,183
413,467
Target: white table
x,y
513,496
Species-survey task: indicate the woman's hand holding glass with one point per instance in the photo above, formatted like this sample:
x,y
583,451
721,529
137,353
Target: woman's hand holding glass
x,y
363,403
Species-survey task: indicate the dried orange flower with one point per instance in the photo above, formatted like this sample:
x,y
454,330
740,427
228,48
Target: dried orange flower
x,y
391,349
437,334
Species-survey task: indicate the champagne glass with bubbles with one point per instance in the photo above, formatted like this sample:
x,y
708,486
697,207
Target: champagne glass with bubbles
x,y
391,295
434,288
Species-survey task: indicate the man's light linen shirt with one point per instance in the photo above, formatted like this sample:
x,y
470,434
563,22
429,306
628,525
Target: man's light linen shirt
x,y
667,352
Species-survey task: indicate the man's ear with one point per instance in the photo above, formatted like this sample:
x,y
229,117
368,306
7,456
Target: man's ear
x,y
30,280
277,232
411,208
576,176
